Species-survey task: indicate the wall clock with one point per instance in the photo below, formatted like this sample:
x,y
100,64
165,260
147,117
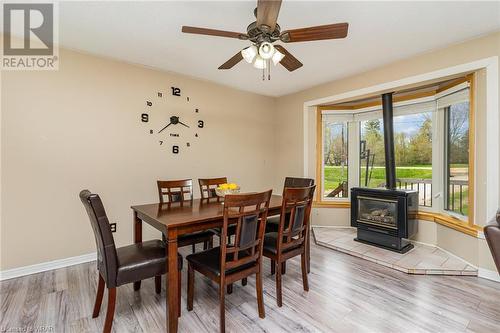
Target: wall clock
x,y
172,120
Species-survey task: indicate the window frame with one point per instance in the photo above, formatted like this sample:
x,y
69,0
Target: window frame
x,y
436,213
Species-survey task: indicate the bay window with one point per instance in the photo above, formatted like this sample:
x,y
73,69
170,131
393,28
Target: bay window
x,y
431,141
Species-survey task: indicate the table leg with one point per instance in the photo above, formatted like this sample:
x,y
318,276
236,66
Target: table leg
x,y
137,239
173,309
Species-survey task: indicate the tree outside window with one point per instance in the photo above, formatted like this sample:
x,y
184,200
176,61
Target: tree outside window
x,y
335,160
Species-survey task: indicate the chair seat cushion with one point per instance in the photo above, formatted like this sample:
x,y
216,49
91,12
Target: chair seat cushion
x,y
231,230
273,224
210,260
195,237
271,243
141,261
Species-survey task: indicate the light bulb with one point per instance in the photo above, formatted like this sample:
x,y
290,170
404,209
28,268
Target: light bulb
x,y
277,57
266,50
259,62
249,53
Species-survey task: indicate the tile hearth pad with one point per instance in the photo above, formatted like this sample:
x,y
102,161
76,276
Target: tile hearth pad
x,y
423,259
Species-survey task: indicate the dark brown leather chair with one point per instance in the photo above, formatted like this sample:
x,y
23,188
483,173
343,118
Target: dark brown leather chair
x,y
207,191
274,221
170,191
119,266
208,186
492,235
230,262
292,235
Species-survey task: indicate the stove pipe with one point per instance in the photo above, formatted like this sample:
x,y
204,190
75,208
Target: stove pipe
x,y
390,162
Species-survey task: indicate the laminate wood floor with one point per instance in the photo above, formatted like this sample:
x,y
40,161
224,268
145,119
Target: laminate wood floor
x,y
347,294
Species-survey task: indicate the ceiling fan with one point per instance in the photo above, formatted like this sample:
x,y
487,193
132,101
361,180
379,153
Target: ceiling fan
x,y
264,32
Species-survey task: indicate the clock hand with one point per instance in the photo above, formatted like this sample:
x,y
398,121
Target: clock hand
x,y
164,128
180,122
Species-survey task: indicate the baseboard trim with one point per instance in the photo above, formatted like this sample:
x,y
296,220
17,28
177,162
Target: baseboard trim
x,y
487,274
46,266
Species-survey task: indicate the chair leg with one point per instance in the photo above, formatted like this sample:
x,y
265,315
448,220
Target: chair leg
x,y
230,289
193,248
179,285
110,311
273,267
279,297
303,261
211,242
205,245
222,322
137,285
308,252
244,282
283,267
190,288
158,284
98,297
260,297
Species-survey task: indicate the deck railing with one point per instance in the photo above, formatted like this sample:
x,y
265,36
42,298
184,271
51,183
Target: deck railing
x,y
457,192
422,185
457,197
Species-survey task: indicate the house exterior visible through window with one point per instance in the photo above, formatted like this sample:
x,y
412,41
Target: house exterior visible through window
x,y
431,141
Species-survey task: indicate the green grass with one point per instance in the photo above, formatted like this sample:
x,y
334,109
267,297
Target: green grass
x,y
333,177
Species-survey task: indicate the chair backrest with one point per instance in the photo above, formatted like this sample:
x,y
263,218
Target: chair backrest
x,y
492,235
294,217
107,261
249,213
208,186
175,190
298,182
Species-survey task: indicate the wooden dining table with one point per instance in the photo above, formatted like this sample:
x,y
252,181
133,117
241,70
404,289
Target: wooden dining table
x,y
174,220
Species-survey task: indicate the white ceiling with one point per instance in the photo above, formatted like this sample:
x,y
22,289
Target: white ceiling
x,y
149,33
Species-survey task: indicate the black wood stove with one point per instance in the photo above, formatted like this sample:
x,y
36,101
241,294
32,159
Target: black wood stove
x,y
385,217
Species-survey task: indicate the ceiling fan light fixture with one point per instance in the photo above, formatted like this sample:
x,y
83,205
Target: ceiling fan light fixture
x,y
266,50
277,57
249,53
259,62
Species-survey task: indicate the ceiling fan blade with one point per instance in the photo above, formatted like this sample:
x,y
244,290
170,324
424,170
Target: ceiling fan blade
x,y
329,31
213,32
231,62
267,13
289,61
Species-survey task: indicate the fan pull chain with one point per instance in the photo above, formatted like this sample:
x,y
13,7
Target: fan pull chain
x,y
269,70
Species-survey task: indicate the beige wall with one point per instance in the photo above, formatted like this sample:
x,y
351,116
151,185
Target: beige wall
x,y
290,137
79,127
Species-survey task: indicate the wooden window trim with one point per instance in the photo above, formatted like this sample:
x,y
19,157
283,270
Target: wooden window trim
x,y
465,226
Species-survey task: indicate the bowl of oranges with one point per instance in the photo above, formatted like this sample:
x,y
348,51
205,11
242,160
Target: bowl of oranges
x,y
224,189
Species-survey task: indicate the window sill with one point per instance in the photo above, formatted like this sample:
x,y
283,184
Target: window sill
x,y
331,204
450,222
